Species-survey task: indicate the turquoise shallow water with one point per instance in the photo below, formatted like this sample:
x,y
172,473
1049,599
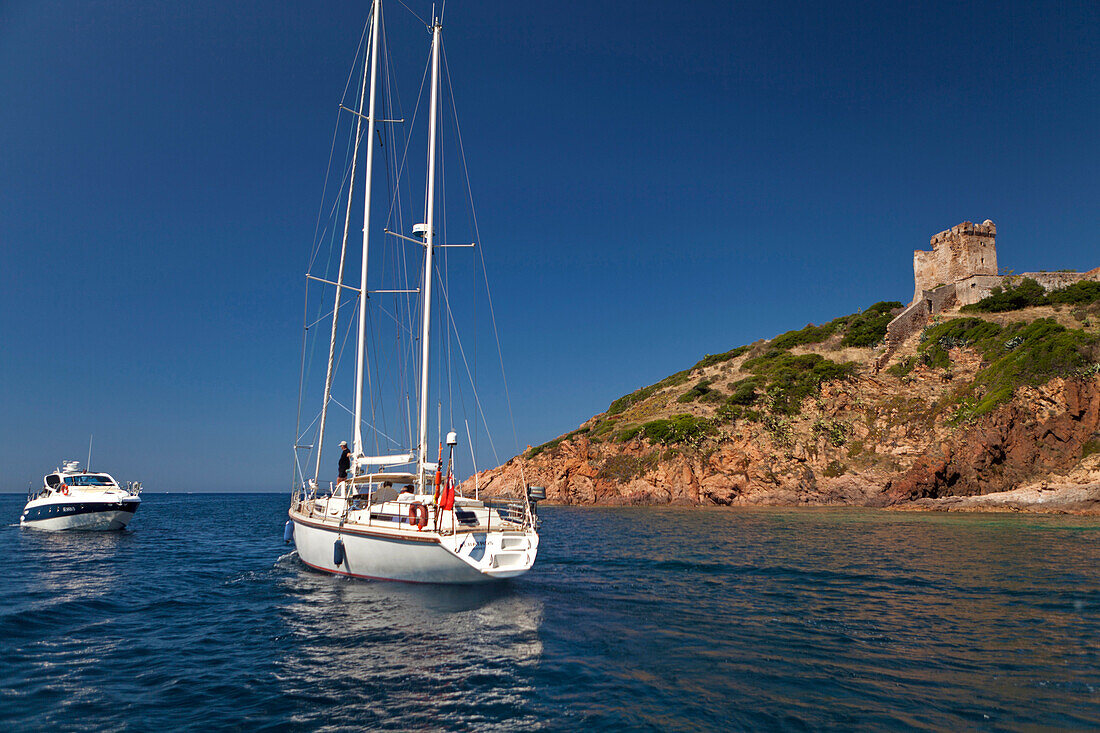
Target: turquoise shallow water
x,y
200,618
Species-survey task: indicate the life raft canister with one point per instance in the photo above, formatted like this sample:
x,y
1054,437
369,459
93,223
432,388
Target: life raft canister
x,y
418,515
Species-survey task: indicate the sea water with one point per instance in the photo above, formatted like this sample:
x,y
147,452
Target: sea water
x,y
199,617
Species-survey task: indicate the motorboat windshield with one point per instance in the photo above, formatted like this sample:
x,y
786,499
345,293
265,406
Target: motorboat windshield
x,y
89,479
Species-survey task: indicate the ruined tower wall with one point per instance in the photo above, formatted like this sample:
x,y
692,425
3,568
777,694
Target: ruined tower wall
x,y
957,253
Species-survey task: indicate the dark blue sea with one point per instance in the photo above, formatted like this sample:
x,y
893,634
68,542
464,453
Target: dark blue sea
x,y
200,618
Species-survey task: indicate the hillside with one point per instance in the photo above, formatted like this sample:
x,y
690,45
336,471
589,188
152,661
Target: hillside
x,y
1003,397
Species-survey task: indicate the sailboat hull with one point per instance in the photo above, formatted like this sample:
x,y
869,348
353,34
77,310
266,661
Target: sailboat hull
x,y
424,557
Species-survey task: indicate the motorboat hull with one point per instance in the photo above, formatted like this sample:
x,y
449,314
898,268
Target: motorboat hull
x,y
413,557
79,515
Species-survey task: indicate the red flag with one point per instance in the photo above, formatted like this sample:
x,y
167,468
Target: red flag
x,y
449,494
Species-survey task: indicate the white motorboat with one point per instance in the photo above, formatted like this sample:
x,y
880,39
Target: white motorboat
x,y
396,516
71,498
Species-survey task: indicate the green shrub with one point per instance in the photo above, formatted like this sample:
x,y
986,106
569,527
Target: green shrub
x,y
702,387
834,469
629,433
1027,293
903,367
744,391
625,402
833,431
869,327
624,468
677,429
552,444
712,359
790,378
729,413
1030,293
938,340
1016,355
809,334
1090,447
1080,293
603,427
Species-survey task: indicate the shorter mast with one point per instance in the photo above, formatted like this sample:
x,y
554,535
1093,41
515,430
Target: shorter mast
x,y
429,238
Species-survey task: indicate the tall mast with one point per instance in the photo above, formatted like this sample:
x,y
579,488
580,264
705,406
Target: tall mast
x,y
360,352
429,237
339,285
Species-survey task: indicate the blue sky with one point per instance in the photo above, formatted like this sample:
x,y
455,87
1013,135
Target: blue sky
x,y
654,182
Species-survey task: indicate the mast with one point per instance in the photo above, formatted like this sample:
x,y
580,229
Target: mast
x,y
360,352
429,237
339,284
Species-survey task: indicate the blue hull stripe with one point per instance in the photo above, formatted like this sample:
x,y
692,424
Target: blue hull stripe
x,y
52,511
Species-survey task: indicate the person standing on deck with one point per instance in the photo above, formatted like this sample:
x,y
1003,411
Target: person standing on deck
x,y
345,460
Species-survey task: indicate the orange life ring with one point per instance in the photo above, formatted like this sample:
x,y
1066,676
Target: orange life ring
x,y
418,515
64,489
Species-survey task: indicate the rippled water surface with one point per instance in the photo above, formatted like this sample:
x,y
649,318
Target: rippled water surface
x,y
200,617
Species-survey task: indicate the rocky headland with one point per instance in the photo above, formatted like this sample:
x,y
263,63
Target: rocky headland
x,y
987,405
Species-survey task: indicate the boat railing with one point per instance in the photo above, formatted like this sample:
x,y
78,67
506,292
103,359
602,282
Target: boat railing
x,y
304,497
505,513
514,512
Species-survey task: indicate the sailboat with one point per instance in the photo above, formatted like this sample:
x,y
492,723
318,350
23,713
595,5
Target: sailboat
x,y
399,516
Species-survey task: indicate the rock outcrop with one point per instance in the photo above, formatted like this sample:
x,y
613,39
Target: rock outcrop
x,y
896,450
897,437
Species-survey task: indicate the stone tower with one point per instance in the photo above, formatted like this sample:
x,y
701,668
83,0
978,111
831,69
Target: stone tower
x,y
957,253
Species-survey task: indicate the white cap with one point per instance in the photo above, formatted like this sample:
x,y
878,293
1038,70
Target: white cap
x,y
344,443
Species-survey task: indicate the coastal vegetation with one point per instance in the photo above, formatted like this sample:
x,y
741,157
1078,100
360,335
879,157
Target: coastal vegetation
x,y
865,328
779,383
625,468
1029,293
1019,354
774,388
550,445
625,402
818,415
787,379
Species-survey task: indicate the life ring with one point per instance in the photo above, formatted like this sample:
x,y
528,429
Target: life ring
x,y
64,489
418,515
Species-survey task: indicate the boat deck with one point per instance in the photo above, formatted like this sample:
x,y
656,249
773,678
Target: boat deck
x,y
397,517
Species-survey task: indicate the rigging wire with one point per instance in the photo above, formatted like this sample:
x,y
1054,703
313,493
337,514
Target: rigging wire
x,y
403,311
424,22
318,238
484,269
462,353
335,133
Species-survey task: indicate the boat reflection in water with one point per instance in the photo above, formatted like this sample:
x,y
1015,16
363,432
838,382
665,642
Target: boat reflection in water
x,y
70,567
424,655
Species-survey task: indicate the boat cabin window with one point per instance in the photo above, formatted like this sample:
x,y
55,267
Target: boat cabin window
x,y
89,480
53,480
